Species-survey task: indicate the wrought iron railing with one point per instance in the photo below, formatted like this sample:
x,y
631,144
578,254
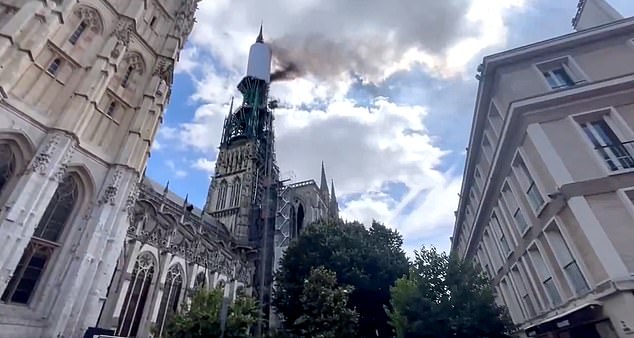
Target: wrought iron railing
x,y
617,156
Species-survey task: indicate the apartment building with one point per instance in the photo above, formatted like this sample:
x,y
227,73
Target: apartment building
x,y
547,201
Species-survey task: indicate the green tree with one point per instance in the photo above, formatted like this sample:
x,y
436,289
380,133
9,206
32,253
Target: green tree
x,y
369,260
202,318
446,297
325,312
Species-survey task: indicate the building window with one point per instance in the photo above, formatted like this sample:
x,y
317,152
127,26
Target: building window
x,y
523,292
138,289
153,22
489,244
566,261
112,107
527,183
7,165
545,276
511,301
514,209
53,67
486,146
222,195
505,249
171,296
78,32
495,118
126,77
200,282
560,73
616,154
44,242
235,193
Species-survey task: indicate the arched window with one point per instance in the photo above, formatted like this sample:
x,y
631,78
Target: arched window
x,y
126,77
112,107
222,195
138,289
200,281
235,193
292,220
53,67
7,165
171,295
78,32
300,219
43,243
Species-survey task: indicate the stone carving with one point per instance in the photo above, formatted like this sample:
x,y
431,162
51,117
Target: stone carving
x,y
122,32
131,201
164,70
91,17
184,18
41,161
63,167
110,193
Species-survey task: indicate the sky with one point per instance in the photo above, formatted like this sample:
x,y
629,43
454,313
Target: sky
x,y
384,96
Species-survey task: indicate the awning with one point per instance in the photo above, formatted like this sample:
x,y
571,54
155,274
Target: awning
x,y
581,314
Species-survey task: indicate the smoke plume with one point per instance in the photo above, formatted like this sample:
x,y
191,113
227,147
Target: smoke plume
x,y
330,39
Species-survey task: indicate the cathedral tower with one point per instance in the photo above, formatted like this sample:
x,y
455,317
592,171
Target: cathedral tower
x,y
243,191
83,87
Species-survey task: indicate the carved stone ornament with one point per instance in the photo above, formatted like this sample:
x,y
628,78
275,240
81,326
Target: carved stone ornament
x,y
42,159
122,32
185,17
110,193
63,167
131,202
91,16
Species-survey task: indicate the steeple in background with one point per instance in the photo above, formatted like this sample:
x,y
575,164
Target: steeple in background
x,y
323,185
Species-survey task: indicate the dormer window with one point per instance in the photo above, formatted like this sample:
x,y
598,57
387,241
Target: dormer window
x,y
78,32
53,67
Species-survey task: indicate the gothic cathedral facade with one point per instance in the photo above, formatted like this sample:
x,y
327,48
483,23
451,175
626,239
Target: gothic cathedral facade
x,y
90,244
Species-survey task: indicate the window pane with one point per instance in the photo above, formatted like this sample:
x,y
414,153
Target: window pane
x,y
563,78
534,196
551,289
529,305
520,221
576,278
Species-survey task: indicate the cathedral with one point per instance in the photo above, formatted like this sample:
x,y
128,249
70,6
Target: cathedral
x,y
92,247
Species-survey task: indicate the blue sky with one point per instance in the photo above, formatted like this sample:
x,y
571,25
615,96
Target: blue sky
x,y
385,99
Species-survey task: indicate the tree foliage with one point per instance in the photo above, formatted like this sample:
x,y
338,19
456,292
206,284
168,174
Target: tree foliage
x,y
203,317
325,311
369,260
446,297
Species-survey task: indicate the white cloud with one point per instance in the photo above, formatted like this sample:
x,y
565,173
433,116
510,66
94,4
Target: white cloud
x,y
178,173
205,165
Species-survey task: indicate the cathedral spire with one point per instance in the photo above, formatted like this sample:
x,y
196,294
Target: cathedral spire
x,y
333,208
260,39
323,186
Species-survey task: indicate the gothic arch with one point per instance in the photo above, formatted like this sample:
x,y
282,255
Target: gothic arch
x,y
88,189
141,280
135,60
50,234
172,294
21,143
91,16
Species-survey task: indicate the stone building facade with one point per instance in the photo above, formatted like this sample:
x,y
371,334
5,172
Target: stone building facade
x,y
547,202
83,88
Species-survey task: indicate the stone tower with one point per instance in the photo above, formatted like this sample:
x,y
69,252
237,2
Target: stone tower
x,y
243,192
83,87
